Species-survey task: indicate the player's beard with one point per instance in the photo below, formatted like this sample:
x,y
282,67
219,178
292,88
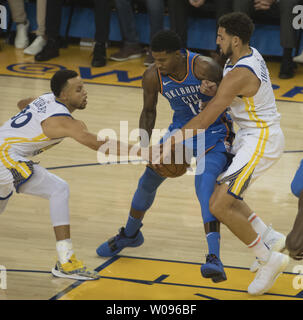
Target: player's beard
x,y
228,53
83,104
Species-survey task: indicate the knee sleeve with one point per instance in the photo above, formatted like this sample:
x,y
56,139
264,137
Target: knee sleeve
x,y
48,186
146,190
297,182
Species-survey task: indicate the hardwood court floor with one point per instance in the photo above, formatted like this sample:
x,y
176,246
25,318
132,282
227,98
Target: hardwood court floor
x,y
101,196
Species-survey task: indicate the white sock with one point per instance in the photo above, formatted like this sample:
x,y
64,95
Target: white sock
x,y
260,250
257,224
64,250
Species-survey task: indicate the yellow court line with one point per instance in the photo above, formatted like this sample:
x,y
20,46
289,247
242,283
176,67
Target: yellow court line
x,y
133,278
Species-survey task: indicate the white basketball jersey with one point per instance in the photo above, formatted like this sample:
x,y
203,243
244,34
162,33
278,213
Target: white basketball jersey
x,y
259,111
22,134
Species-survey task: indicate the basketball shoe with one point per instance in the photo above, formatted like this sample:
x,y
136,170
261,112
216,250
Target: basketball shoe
x,y
74,269
213,268
268,272
115,244
21,39
274,240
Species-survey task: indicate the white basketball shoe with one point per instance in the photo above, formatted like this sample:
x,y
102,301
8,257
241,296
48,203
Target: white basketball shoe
x,y
21,39
267,273
274,240
37,46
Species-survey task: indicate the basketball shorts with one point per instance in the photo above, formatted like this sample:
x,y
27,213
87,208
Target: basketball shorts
x,y
255,151
14,170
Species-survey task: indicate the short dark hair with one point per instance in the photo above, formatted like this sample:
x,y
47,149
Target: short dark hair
x,y
59,80
166,40
237,24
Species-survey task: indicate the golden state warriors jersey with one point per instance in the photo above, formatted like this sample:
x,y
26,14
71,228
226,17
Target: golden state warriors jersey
x,y
259,111
22,135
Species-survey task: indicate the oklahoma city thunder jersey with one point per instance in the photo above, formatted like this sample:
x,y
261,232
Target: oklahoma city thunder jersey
x,y
186,101
22,134
259,111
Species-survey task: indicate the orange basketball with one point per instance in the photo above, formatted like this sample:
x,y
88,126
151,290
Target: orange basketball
x,y
172,170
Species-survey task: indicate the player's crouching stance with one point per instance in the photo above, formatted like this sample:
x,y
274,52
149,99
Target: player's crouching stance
x,y
42,123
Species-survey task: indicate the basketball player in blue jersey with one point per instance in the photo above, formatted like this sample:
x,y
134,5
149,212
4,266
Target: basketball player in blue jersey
x,y
42,123
177,75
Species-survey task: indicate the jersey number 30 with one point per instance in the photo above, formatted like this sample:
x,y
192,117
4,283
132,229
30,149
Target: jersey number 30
x,y
22,118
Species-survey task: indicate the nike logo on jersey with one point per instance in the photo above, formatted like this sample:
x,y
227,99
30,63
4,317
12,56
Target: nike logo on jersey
x,y
216,131
167,82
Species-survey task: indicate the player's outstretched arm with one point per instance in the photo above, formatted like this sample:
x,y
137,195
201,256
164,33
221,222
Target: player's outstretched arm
x,y
59,127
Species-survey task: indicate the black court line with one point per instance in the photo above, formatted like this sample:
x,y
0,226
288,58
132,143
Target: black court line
x,y
293,151
160,279
29,271
97,164
204,296
110,84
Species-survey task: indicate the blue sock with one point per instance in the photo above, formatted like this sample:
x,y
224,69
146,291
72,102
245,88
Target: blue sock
x,y
132,226
213,241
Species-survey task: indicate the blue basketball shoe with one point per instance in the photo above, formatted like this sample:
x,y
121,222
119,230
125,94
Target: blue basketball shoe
x,y
213,268
115,244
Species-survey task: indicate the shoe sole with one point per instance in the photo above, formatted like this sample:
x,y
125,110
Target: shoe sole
x,y
59,274
31,53
272,282
219,278
215,277
41,60
134,56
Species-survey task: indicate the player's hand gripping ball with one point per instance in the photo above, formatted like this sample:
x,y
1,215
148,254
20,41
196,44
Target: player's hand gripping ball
x,y
172,170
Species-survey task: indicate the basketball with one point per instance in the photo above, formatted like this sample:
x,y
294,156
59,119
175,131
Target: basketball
x,y
172,170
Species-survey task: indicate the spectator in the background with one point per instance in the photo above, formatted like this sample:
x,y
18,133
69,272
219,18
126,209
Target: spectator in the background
x,y
283,8
53,21
22,26
131,48
179,10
